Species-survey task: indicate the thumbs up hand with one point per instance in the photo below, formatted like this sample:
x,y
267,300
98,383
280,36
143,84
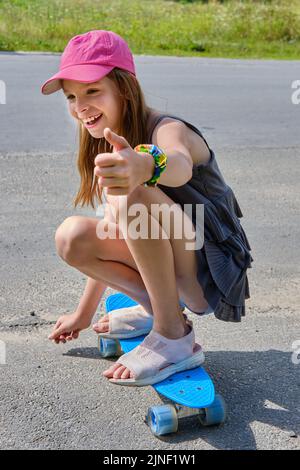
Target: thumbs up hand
x,y
124,169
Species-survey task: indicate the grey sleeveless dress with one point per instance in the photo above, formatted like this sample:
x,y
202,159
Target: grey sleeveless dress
x,y
225,255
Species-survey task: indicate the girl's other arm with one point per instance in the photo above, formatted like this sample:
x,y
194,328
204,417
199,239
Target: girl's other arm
x,y
90,299
69,326
173,139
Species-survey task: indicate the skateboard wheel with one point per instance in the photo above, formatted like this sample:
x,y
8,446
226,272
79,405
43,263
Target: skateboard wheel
x,y
108,347
162,419
215,413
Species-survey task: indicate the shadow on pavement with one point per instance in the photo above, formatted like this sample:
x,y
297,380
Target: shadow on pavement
x,y
260,386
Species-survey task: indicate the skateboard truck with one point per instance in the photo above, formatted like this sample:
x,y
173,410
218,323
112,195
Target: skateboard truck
x,y
163,419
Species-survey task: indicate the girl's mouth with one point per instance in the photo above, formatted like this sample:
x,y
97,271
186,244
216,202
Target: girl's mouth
x,y
93,123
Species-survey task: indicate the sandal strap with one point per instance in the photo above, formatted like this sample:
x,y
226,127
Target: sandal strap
x,y
129,319
157,352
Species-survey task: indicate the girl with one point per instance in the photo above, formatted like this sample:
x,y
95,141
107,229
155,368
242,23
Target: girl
x,y
97,76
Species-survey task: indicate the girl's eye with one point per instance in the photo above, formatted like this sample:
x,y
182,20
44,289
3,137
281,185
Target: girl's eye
x,y
70,97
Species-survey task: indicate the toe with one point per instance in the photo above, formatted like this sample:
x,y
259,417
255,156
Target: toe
x,y
109,372
118,372
102,325
126,374
102,319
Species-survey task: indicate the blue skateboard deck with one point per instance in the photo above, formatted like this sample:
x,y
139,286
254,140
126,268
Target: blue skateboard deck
x,y
192,388
191,391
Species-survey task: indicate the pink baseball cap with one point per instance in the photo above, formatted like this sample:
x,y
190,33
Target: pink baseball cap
x,y
89,57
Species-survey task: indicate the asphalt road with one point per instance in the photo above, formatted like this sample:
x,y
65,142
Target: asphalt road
x,y
55,396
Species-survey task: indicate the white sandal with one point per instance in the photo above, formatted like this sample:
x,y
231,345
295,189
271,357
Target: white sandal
x,y
157,357
128,322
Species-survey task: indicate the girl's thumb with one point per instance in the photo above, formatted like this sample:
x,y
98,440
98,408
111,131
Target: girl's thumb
x,y
56,333
117,141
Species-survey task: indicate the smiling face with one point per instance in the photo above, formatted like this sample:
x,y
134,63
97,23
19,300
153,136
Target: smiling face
x,y
99,99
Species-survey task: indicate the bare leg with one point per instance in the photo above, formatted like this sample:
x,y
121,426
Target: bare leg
x,y
120,277
155,261
160,281
108,261
143,256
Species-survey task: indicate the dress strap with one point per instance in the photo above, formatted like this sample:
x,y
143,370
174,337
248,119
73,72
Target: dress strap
x,y
155,120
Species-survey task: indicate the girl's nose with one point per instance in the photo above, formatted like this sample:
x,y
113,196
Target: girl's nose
x,y
80,107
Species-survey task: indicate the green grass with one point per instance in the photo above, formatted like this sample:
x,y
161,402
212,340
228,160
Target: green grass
x,y
236,29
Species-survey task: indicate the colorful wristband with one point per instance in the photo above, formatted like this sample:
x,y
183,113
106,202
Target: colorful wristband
x,y
160,159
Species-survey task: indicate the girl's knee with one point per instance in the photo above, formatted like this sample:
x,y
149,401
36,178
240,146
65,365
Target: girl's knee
x,y
70,237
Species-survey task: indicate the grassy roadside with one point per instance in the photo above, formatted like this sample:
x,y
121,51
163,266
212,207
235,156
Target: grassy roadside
x,y
267,29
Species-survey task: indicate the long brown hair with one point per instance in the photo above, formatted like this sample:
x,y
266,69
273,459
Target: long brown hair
x,y
134,114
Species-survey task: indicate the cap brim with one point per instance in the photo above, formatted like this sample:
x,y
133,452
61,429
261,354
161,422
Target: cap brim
x,y
85,73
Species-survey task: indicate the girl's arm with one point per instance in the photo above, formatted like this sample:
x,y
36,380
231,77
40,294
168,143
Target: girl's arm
x,y
90,299
69,326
